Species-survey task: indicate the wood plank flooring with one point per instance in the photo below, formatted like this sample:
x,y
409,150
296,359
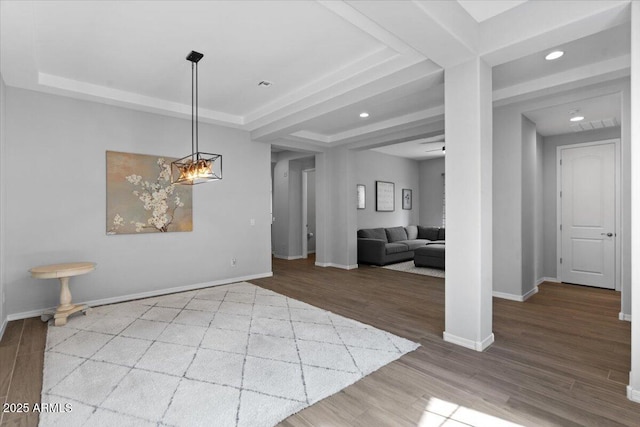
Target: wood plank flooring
x,y
560,359
21,362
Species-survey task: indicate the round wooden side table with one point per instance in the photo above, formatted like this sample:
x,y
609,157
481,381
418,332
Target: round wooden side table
x,y
63,272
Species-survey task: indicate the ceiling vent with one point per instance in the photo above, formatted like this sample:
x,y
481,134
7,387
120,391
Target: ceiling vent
x,y
595,124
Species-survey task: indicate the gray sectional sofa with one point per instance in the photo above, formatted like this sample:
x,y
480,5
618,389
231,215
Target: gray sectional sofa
x,y
382,246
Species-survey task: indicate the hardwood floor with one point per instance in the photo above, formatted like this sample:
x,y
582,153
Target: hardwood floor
x,y
21,361
562,358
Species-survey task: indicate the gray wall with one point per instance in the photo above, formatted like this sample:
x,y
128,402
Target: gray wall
x,y
539,208
529,205
311,210
336,218
287,203
3,310
431,191
295,203
280,228
507,201
372,166
513,195
550,186
57,214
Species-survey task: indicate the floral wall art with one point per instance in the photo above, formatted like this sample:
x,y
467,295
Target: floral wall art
x,y
141,198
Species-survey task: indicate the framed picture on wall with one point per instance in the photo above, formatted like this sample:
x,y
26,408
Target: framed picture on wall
x,y
361,196
385,196
406,199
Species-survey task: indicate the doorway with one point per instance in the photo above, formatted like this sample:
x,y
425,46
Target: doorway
x,y
308,212
589,214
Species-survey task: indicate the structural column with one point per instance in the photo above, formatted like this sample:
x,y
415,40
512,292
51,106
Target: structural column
x,y
336,244
633,390
468,164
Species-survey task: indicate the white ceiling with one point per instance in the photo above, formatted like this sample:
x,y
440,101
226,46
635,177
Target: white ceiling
x,y
328,60
483,10
419,149
243,43
584,52
417,96
555,120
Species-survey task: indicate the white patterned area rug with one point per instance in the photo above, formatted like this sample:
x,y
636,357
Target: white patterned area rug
x,y
233,355
409,267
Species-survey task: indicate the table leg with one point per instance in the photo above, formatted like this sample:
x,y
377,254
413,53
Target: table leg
x,y
66,308
65,294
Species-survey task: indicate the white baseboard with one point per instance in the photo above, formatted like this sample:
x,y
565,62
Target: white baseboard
x,y
550,279
633,394
330,264
3,327
467,343
623,316
148,294
514,297
531,293
287,257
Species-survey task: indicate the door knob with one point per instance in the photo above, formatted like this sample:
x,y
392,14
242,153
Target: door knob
x,y
606,234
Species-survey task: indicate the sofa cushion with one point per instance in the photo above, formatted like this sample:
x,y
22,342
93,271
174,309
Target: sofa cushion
x,y
441,234
395,234
373,233
429,233
415,243
412,232
394,248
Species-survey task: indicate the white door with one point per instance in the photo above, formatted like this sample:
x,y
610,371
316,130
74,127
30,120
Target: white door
x,y
588,213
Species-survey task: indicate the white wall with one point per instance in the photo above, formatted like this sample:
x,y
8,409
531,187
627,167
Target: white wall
x,y
372,166
550,185
633,390
57,212
3,310
431,184
469,188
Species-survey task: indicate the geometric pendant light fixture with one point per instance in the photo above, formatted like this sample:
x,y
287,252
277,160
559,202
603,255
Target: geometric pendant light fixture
x,y
197,167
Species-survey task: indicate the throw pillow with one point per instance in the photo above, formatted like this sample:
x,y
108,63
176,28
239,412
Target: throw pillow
x,y
396,234
373,233
429,233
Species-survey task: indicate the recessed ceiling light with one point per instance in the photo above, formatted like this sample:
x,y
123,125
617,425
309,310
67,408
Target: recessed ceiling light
x,y
554,55
576,119
364,115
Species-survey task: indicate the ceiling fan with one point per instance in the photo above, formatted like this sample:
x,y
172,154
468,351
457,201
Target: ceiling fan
x,y
437,149
436,140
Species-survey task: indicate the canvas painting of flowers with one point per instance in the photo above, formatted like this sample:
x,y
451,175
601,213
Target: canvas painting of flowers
x,y
141,198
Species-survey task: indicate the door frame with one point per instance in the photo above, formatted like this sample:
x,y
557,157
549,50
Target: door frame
x,y
305,196
618,206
